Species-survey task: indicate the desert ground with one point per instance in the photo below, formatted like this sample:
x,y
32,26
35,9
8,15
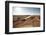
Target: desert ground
x,y
20,21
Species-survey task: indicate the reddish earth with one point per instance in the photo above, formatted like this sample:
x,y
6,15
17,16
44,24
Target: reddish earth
x,y
19,21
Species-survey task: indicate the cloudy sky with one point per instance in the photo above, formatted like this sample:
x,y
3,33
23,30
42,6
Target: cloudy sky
x,y
26,11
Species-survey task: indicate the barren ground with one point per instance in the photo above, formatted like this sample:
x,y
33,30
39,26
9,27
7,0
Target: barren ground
x,y
19,21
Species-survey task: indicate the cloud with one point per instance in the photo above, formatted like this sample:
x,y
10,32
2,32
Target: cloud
x,y
26,11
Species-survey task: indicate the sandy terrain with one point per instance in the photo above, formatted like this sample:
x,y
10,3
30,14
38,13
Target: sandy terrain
x,y
26,21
